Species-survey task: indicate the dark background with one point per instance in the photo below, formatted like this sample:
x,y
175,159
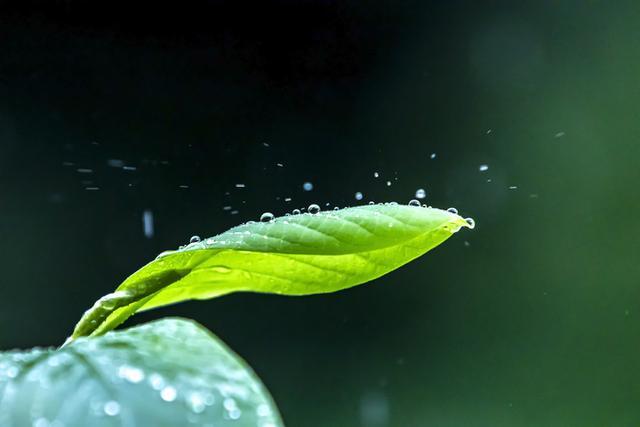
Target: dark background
x,y
531,319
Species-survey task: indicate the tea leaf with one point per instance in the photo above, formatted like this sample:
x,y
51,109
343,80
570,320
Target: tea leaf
x,y
170,372
291,255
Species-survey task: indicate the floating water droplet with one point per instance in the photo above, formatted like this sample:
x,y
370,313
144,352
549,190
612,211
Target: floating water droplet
x,y
420,193
307,186
168,394
483,168
433,155
235,414
359,196
112,408
513,187
453,211
376,174
296,212
414,202
266,217
471,222
194,239
313,209
388,183
240,185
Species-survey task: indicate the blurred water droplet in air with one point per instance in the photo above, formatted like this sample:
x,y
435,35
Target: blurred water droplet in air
x,y
129,168
313,209
147,223
513,187
183,186
559,135
307,186
359,196
84,170
115,163
414,202
376,174
240,185
374,410
388,183
421,193
433,155
483,168
266,217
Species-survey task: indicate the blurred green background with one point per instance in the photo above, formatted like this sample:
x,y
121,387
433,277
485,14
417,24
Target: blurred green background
x,y
531,319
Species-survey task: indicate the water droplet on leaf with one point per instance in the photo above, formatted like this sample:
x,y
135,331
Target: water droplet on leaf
x,y
266,217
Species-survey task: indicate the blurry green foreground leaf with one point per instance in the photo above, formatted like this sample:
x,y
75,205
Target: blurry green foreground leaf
x,y
291,255
170,372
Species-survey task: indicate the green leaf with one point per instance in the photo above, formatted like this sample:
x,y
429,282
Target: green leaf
x,y
170,372
291,255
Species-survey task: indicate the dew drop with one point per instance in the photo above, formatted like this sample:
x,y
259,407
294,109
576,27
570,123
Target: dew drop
x,y
359,196
41,422
131,374
197,402
263,410
453,211
235,413
296,212
421,193
266,217
112,408
12,372
415,203
194,239
336,208
156,381
372,203
168,394
471,222
313,209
